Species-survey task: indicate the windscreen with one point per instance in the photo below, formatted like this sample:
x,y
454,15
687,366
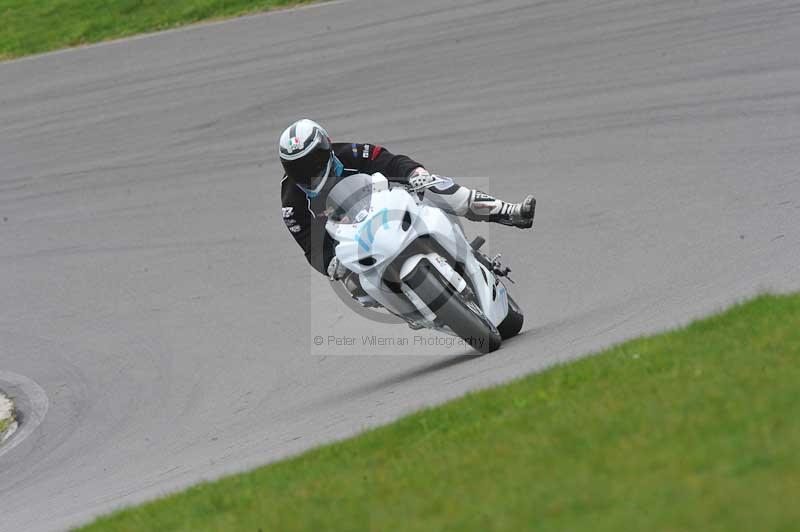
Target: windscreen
x,y
349,200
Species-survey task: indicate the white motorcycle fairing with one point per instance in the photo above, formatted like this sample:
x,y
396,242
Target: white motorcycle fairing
x,y
386,234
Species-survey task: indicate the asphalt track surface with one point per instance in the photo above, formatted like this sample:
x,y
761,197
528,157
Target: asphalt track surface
x,y
150,290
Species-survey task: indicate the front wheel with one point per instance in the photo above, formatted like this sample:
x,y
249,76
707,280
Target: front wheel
x,y
454,309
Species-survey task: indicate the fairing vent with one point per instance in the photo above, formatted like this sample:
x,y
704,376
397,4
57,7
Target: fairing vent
x,y
406,221
367,261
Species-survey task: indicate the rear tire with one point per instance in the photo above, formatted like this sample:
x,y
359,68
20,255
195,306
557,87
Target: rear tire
x,y
512,323
454,309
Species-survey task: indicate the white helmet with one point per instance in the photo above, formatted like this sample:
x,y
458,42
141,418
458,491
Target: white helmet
x,y
306,154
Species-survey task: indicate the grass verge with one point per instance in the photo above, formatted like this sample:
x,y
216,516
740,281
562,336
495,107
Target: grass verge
x,y
29,27
695,429
6,414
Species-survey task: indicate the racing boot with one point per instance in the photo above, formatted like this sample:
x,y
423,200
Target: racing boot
x,y
483,207
353,285
444,193
338,272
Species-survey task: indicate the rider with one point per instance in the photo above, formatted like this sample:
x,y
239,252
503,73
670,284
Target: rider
x,y
313,165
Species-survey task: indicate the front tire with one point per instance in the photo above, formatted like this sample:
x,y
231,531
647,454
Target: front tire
x,y
454,309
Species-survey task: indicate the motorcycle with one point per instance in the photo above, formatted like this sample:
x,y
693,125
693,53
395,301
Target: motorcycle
x,y
414,260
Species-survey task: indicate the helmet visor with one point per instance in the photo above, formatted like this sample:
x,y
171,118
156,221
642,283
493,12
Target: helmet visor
x,y
309,170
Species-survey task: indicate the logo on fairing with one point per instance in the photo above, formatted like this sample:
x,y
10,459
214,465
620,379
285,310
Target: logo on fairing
x,y
287,212
366,233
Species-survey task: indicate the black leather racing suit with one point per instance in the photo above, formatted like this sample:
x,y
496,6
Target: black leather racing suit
x,y
305,218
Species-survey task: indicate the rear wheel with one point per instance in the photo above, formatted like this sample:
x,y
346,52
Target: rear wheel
x,y
454,309
512,323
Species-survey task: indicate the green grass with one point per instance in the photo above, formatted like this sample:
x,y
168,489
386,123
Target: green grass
x,y
33,26
6,421
696,429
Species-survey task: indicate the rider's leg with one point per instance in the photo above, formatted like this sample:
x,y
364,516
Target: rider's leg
x,y
353,285
449,196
